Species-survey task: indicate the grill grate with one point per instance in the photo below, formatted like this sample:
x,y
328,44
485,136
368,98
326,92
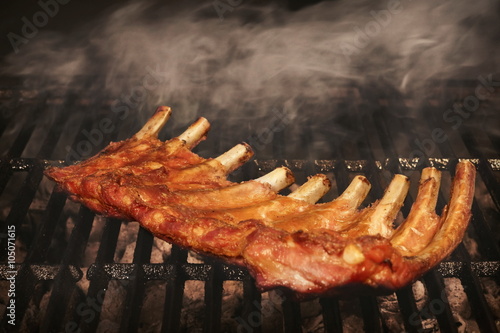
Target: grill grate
x,y
69,288
64,275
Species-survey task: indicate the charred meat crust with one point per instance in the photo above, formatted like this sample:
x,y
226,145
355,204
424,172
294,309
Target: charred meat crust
x,y
309,249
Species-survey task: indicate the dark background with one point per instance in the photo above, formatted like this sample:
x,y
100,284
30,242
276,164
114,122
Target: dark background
x,y
70,16
79,12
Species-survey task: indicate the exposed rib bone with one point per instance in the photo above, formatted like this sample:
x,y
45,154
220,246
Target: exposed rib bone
x,y
456,216
422,221
377,220
279,178
335,215
235,157
235,196
311,191
155,123
356,192
389,206
282,206
195,133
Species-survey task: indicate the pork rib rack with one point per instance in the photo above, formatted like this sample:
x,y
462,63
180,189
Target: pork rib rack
x,y
284,241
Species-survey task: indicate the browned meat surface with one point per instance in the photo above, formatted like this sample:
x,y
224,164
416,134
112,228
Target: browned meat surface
x,y
284,241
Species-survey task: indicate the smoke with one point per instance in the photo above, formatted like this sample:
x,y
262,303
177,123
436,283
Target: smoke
x,y
253,57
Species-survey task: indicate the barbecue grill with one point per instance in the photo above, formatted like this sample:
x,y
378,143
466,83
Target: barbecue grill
x,y
72,270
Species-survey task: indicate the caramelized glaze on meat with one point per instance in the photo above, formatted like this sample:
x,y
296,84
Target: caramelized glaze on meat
x,y
284,241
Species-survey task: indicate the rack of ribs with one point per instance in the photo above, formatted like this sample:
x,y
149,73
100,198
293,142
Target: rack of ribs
x,y
292,241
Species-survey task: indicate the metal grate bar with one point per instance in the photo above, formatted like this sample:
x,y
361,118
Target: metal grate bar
x,y
369,307
5,174
174,292
409,310
445,319
6,115
495,140
371,315
488,246
109,240
421,130
292,322
472,287
41,243
64,284
99,283
474,291
21,204
479,268
373,141
279,145
368,143
25,283
406,299
135,289
385,135
341,176
331,314
445,146
18,145
26,280
370,312
95,295
436,286
469,279
198,272
439,304
484,168
55,131
251,315
259,167
213,299
86,125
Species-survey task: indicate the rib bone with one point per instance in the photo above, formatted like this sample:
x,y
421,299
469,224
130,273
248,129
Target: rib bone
x,y
422,221
456,216
155,123
278,179
235,157
315,188
195,133
386,210
355,193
